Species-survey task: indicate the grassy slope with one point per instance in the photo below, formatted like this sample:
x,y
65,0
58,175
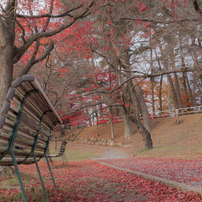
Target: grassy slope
x,y
169,139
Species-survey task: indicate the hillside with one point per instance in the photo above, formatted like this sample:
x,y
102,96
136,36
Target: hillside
x,y
169,139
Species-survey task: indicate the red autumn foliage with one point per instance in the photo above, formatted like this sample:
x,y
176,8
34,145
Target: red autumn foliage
x,y
90,181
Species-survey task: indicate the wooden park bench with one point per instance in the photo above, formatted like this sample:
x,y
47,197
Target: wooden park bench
x,y
27,120
61,152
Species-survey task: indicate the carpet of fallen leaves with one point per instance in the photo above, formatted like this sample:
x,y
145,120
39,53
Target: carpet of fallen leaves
x,y
179,170
88,180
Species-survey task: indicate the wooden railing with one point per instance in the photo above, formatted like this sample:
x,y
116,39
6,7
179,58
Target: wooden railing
x,y
165,113
177,112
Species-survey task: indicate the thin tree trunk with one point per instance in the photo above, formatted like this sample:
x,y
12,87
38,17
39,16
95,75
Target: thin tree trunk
x,y
189,90
185,87
173,91
169,79
179,98
96,115
184,74
110,109
194,73
128,131
146,136
143,106
160,99
160,85
116,112
194,88
152,82
112,125
176,79
152,88
101,112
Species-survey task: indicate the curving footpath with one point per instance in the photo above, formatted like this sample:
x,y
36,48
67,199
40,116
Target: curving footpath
x,y
183,174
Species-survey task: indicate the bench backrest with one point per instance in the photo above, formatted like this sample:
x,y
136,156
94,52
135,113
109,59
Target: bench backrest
x,y
62,148
61,151
27,121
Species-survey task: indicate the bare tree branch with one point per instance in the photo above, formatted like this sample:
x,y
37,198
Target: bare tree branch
x,y
159,21
33,59
50,15
196,7
23,32
195,32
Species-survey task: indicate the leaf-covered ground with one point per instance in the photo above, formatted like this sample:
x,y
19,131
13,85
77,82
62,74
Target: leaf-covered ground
x,y
179,170
88,180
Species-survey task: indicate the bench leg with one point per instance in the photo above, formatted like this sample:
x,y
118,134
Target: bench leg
x,y
50,171
44,190
64,158
18,175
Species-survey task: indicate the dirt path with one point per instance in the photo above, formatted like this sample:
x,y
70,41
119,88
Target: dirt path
x,y
108,155
114,153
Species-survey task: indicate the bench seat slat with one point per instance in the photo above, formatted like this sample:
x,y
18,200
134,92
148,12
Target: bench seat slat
x,y
29,109
20,141
37,103
44,102
23,134
21,152
8,161
34,125
37,85
24,118
29,82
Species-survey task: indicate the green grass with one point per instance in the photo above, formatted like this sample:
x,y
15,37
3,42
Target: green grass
x,y
172,151
10,182
13,184
73,155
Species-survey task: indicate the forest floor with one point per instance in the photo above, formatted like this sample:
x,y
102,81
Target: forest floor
x,y
176,157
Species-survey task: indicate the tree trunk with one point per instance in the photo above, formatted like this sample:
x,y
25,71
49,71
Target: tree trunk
x,y
96,115
128,131
143,106
184,75
136,120
189,90
152,89
62,130
179,98
101,112
194,73
160,99
173,91
194,88
152,79
176,79
7,36
165,64
116,112
112,125
185,87
160,85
